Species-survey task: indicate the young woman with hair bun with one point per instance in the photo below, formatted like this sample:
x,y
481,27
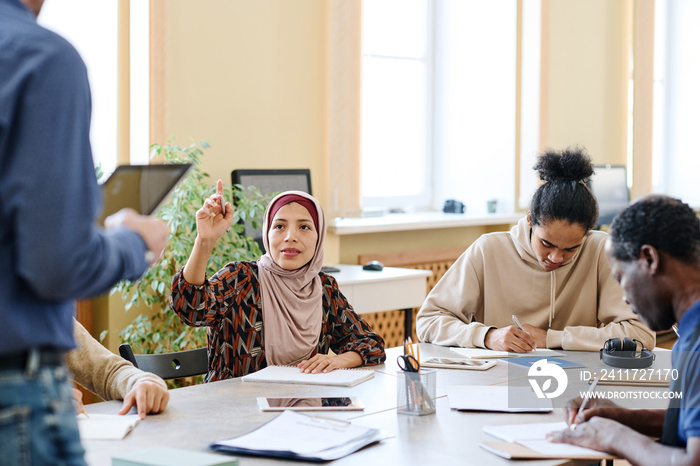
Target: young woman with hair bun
x,y
549,270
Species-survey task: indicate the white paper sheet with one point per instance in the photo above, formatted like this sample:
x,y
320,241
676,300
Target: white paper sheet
x,y
495,398
106,426
517,432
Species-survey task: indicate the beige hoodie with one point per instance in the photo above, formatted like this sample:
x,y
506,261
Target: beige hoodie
x,y
579,303
99,370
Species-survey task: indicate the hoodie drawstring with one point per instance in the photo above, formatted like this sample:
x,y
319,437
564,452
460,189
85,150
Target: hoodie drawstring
x,y
552,295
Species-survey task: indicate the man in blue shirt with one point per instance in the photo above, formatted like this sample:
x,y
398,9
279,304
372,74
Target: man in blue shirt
x,y
51,251
654,253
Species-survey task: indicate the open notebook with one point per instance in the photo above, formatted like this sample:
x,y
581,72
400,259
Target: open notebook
x,y
529,441
483,353
292,374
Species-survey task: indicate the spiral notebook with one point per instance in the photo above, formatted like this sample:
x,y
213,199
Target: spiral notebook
x,y
292,374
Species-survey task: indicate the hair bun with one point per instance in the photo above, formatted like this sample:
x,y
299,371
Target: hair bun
x,y
572,164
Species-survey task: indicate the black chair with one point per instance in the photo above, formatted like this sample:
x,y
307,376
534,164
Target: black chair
x,y
271,181
168,365
609,186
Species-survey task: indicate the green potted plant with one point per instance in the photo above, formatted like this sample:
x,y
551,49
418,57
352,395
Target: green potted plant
x,y
164,332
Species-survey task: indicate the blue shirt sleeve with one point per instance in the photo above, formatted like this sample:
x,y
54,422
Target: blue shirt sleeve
x,y
689,417
54,198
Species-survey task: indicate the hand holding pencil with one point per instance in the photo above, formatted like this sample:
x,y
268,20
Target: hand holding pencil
x,y
515,338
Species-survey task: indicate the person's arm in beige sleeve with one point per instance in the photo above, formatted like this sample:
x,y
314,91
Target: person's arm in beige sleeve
x,y
113,378
445,317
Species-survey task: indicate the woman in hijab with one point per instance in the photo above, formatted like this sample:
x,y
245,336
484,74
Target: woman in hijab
x,y
278,310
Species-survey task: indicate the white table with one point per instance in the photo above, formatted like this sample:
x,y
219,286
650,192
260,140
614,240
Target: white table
x,y
390,289
201,414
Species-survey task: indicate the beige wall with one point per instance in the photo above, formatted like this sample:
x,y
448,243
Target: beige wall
x,y
252,78
585,71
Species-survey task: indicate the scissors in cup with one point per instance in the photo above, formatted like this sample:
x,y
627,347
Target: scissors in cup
x,y
408,363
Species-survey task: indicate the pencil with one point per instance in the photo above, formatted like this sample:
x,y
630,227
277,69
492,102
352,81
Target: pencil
x,y
418,355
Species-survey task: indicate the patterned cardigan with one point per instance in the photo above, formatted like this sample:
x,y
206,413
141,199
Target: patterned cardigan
x,y
229,304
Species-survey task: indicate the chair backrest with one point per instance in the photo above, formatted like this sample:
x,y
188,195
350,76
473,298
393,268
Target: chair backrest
x,y
168,365
609,185
271,181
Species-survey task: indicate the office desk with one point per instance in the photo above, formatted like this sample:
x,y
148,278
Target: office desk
x,y
201,414
389,289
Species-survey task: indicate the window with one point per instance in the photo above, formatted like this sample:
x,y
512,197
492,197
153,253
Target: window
x,y
676,99
395,115
92,28
139,83
438,103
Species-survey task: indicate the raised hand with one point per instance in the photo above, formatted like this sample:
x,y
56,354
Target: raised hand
x,y
215,217
213,221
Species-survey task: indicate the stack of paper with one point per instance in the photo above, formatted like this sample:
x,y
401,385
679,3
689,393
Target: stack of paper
x,y
529,441
292,374
299,436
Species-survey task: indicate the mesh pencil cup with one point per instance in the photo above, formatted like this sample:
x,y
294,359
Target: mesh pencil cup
x,y
415,392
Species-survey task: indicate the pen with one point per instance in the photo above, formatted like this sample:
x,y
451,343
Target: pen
x,y
675,329
590,391
223,205
517,323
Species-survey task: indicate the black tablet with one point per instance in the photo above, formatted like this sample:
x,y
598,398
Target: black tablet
x,y
319,403
141,187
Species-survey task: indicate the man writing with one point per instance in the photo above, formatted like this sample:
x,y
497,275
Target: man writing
x,y
654,253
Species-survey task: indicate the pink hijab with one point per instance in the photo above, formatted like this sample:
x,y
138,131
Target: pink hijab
x,y
292,300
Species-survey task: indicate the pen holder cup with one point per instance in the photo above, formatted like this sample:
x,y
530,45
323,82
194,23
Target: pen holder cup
x,y
415,392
